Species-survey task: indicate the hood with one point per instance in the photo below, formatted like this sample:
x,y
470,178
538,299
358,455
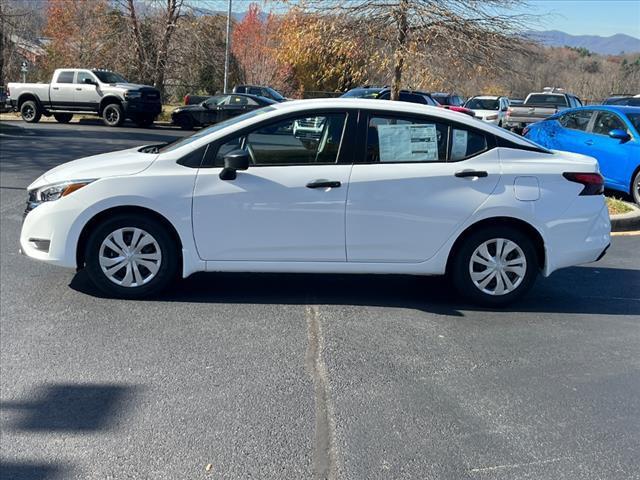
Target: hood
x,y
113,164
132,86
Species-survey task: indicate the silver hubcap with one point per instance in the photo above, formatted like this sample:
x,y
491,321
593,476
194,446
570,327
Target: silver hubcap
x,y
498,266
130,257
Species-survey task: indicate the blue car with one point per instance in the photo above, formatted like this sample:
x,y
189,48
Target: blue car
x,y
611,134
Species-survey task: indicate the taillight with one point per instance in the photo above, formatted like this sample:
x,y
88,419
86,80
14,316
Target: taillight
x,y
593,182
186,99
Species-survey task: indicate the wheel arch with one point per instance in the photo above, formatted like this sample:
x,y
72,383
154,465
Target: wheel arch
x,y
108,100
516,223
26,96
124,209
633,176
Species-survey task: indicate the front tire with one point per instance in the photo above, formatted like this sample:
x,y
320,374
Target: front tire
x,y
30,111
635,188
112,115
495,266
130,256
63,117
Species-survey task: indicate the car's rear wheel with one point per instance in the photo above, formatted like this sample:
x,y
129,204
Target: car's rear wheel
x,y
63,117
495,266
129,256
635,188
112,115
30,111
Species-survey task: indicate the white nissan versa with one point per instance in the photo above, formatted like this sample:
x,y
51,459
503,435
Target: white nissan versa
x,y
386,187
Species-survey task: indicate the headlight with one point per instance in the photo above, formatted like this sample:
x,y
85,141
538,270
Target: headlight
x,y
59,190
133,95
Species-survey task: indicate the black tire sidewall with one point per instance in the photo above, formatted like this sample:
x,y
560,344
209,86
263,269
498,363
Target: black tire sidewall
x,y
112,106
34,105
167,273
63,117
460,265
634,189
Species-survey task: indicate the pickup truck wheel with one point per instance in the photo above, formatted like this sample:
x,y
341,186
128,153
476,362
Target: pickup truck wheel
x,y
112,115
63,117
30,112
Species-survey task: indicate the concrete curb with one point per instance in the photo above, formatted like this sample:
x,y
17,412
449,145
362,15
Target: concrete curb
x,y
625,222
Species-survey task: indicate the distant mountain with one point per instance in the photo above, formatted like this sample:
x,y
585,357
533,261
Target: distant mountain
x,y
614,45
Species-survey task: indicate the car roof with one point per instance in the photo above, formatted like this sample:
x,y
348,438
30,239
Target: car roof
x,y
611,108
488,97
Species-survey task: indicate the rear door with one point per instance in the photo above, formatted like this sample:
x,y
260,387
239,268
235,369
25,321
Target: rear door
x,y
63,90
418,180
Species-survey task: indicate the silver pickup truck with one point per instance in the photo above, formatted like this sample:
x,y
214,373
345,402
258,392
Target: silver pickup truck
x,y
537,107
98,92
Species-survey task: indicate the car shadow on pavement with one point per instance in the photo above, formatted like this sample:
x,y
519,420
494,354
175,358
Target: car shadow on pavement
x,y
32,471
71,407
589,290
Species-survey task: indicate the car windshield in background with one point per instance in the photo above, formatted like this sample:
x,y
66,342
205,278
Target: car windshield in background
x,y
547,100
634,118
362,93
275,95
109,77
213,128
482,104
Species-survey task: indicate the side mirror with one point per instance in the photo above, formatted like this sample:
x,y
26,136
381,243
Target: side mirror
x,y
619,134
204,105
234,161
89,81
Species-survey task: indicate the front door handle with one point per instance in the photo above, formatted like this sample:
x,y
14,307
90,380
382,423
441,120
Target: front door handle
x,y
79,89
55,88
589,142
323,184
471,173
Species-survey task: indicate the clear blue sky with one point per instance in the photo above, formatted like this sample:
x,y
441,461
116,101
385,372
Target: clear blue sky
x,y
577,17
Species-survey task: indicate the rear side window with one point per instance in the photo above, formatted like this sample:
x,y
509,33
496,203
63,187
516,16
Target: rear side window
x,y
607,121
403,140
65,77
576,120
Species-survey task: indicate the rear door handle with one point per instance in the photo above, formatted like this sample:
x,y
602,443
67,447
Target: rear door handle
x,y
471,173
79,89
323,184
589,142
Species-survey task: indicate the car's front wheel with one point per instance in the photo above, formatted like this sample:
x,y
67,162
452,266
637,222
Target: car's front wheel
x,y
129,256
635,188
495,266
112,115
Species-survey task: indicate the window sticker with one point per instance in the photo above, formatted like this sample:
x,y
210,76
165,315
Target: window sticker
x,y
408,143
459,147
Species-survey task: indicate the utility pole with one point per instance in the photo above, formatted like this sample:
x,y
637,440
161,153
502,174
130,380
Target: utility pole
x,y
226,50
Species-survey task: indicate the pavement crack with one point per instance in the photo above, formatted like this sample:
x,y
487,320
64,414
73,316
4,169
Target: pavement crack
x,y
324,452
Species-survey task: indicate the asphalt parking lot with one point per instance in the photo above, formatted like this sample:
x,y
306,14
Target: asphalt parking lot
x,y
235,376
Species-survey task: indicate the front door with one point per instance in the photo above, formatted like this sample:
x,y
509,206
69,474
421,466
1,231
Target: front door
x,y
288,206
87,96
421,179
613,155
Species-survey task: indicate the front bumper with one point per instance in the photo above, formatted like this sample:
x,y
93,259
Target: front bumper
x,y
138,107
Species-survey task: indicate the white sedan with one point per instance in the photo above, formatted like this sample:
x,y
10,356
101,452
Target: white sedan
x,y
386,187
489,108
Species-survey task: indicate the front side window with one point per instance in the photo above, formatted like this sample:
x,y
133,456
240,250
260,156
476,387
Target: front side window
x,y
296,141
82,76
218,100
576,120
65,77
607,121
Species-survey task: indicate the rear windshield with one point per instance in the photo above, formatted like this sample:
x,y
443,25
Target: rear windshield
x,y
442,99
482,104
548,100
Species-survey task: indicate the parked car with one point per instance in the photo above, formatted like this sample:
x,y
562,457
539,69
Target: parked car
x,y
538,106
216,109
98,92
489,108
5,106
452,101
629,100
611,134
261,91
389,187
412,96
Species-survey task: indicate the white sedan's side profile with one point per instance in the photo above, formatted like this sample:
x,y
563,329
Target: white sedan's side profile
x,y
377,187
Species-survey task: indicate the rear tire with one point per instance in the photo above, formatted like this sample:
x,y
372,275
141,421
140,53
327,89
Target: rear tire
x,y
145,252
495,266
635,188
30,111
112,115
63,117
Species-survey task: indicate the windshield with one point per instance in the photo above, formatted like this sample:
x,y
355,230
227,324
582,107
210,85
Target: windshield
x,y
213,128
548,100
109,77
482,104
362,93
634,118
275,95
